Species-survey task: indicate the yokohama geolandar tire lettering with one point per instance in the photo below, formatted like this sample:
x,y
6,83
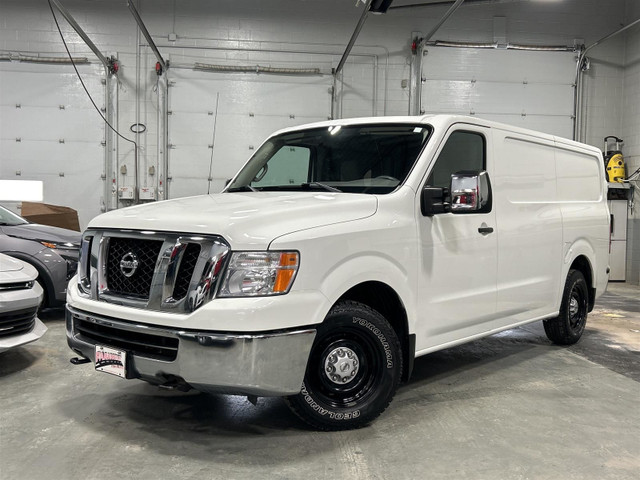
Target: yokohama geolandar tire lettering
x,y
353,371
567,327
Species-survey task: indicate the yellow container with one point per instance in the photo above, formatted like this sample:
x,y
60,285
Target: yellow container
x,y
615,169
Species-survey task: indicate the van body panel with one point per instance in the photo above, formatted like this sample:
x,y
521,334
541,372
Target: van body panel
x,y
529,226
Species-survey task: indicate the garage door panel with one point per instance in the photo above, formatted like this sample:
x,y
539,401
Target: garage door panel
x,y
492,64
251,107
504,98
245,96
30,85
42,105
46,158
542,123
48,123
530,89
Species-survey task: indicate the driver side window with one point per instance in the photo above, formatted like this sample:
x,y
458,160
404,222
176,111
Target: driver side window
x,y
462,151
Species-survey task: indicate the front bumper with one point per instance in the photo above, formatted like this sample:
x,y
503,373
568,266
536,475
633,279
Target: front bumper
x,y
263,364
17,309
38,330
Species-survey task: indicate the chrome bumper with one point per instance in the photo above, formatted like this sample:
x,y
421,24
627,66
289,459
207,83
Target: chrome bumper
x,y
268,364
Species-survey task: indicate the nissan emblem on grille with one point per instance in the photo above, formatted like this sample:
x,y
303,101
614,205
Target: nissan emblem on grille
x,y
129,264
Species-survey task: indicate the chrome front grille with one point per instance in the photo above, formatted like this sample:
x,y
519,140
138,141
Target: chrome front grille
x,y
172,272
185,272
145,254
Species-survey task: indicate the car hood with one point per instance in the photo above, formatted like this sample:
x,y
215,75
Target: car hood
x,y
246,220
13,270
35,231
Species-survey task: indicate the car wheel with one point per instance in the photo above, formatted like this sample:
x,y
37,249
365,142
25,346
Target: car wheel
x,y
567,327
353,370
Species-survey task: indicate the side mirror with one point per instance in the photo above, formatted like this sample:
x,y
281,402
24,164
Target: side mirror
x,y
470,192
432,201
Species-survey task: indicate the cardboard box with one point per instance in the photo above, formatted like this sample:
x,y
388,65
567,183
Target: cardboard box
x,y
54,215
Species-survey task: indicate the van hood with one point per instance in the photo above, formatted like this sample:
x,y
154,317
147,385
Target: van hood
x,y
248,220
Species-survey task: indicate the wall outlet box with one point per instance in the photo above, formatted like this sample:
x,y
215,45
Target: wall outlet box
x,y
147,193
125,193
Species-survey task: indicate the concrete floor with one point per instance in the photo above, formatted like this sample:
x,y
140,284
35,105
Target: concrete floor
x,y
511,406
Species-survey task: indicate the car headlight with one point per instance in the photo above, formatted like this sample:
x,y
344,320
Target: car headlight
x,y
56,245
252,274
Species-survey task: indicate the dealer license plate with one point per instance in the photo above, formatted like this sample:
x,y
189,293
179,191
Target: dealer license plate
x,y
111,360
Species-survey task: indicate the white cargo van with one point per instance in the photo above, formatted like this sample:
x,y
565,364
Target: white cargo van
x,y
340,252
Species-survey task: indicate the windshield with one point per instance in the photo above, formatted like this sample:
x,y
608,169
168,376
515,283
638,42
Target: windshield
x,y
8,218
356,159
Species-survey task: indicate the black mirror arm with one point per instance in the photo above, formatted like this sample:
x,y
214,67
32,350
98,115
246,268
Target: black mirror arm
x,y
433,201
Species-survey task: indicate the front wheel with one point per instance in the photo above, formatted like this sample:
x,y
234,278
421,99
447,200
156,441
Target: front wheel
x,y
353,371
567,327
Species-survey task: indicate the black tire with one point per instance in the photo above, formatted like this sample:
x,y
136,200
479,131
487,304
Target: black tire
x,y
353,370
567,327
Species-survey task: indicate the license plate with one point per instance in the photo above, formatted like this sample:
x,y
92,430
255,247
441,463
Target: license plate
x,y
111,360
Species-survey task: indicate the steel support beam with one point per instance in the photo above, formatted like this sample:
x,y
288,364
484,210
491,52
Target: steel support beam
x,y
67,16
147,35
415,92
354,37
444,18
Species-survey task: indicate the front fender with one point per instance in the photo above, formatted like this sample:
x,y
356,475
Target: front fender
x,y
370,267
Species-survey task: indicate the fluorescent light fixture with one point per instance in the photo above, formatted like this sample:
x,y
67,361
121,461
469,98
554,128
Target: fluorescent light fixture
x,y
21,191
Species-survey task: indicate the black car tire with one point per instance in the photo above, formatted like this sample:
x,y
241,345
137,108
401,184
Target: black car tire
x,y
353,370
567,327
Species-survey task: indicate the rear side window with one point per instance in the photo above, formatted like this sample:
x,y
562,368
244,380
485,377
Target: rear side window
x,y
462,151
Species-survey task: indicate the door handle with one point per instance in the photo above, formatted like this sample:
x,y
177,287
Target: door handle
x,y
485,230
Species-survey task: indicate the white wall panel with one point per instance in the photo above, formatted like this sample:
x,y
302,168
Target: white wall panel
x,y
528,89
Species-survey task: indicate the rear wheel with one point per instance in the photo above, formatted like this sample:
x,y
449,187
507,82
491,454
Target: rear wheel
x,y
353,371
567,327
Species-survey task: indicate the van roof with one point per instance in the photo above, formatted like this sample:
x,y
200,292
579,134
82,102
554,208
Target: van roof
x,y
443,121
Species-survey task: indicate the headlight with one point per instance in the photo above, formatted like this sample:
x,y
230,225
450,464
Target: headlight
x,y
55,245
259,273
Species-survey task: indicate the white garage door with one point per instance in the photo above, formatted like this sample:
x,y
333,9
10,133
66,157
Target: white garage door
x,y
530,89
250,108
49,131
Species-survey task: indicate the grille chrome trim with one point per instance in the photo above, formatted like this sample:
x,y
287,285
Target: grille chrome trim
x,y
202,279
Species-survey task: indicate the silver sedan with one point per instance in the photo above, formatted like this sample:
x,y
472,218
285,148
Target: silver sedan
x,y
20,298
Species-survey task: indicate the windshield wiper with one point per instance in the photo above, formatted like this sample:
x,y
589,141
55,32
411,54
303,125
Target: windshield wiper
x,y
243,188
328,188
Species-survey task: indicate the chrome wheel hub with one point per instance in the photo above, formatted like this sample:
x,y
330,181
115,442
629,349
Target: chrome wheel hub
x,y
574,307
341,365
